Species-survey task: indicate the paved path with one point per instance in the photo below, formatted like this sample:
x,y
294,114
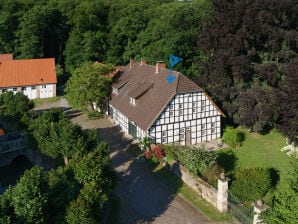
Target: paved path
x,y
144,197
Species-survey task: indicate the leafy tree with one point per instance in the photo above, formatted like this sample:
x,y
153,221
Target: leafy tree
x,y
233,137
95,171
14,106
63,188
7,215
284,204
56,136
80,212
172,29
30,196
87,38
251,59
42,32
89,84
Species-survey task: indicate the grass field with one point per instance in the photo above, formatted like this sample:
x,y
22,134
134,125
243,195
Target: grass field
x,y
47,100
259,151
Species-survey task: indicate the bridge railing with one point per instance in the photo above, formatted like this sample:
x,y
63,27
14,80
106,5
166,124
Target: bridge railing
x,y
12,143
11,136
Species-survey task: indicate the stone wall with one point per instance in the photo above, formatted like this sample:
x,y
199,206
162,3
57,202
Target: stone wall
x,y
201,187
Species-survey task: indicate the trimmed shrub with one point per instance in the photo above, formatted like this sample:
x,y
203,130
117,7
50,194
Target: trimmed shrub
x,y
233,137
195,160
251,184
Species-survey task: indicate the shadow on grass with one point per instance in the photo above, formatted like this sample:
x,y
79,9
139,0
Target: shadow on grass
x,y
227,160
274,176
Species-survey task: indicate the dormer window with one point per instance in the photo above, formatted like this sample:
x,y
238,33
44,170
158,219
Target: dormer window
x,y
132,101
115,91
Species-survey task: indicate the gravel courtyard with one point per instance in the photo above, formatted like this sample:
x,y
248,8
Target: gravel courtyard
x,y
144,197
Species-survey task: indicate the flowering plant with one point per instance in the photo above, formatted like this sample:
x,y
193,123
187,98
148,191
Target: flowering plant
x,y
156,153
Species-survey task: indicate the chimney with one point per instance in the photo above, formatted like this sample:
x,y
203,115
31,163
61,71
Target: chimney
x,y
143,62
159,65
131,62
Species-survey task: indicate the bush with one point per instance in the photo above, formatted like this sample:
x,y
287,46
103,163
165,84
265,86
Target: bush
x,y
233,137
156,153
251,184
93,115
211,174
195,160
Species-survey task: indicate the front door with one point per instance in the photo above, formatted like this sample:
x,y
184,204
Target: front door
x,y
132,130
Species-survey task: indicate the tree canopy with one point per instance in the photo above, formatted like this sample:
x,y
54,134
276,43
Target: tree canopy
x,y
14,106
251,69
70,192
243,53
57,137
89,84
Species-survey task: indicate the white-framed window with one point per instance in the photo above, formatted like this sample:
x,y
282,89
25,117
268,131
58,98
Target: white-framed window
x,y
194,107
4,90
23,88
203,104
44,86
163,140
14,89
180,109
181,133
203,130
171,110
213,126
33,87
132,101
164,133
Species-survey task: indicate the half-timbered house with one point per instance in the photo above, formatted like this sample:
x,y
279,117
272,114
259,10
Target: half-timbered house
x,y
144,103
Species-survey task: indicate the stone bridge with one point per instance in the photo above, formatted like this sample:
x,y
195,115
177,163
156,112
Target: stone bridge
x,y
13,145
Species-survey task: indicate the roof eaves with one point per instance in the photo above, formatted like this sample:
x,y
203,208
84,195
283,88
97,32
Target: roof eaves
x,y
162,108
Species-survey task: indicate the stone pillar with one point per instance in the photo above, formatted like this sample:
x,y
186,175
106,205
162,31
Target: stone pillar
x,y
259,207
222,193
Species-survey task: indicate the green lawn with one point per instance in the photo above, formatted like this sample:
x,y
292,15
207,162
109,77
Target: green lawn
x,y
47,100
259,151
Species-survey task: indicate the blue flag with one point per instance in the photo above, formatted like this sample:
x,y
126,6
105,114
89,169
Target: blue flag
x,y
174,60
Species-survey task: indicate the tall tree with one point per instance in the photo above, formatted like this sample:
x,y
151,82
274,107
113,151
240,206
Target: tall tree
x,y
42,33
57,137
250,46
14,106
89,84
87,39
30,196
172,29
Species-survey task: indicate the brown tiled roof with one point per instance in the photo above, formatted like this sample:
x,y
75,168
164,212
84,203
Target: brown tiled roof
x,y
27,72
141,90
6,57
154,89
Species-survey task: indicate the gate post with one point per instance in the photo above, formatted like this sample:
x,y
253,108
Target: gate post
x,y
222,193
259,207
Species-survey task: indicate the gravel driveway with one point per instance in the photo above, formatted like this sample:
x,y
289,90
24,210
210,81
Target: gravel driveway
x,y
144,197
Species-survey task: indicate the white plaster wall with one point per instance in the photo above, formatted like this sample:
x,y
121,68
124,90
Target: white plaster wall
x,y
31,91
46,91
